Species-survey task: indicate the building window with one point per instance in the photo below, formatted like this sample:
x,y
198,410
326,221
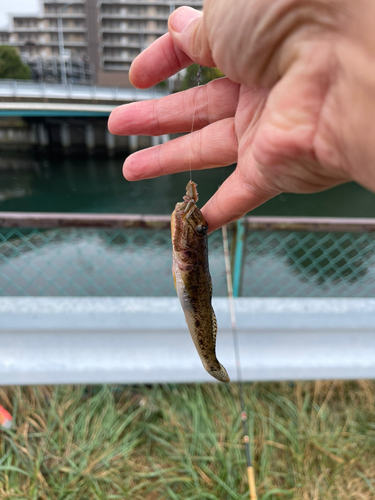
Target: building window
x,y
161,10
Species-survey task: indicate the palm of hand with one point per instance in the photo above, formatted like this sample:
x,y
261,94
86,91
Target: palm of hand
x,y
281,143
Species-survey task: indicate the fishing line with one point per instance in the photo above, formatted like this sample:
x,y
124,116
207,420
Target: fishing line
x,y
199,74
250,470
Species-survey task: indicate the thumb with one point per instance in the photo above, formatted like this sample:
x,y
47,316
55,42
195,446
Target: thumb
x,y
187,30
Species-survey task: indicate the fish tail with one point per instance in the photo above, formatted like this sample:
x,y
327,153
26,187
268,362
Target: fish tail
x,y
221,374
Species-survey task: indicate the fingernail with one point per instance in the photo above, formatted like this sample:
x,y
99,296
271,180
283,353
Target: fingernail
x,y
181,17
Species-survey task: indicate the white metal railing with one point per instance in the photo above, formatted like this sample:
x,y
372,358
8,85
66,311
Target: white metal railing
x,y
137,31
121,59
150,3
121,44
65,15
24,89
54,340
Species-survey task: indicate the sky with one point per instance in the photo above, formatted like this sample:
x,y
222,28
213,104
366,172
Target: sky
x,y
16,7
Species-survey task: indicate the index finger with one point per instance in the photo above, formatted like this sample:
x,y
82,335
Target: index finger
x,y
161,60
174,113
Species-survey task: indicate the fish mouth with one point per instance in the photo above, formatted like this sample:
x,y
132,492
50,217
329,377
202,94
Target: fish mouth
x,y
182,212
177,226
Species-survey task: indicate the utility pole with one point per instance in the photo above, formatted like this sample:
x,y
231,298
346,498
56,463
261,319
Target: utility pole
x,y
61,42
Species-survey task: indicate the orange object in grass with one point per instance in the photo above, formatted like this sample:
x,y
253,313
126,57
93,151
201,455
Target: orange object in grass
x,y
5,418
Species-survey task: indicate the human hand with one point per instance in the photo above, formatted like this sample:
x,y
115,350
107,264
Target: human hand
x,y
284,112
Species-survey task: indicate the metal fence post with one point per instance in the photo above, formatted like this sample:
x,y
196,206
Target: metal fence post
x,y
239,237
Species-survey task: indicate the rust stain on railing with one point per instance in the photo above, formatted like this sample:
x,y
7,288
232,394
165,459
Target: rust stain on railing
x,y
315,224
60,220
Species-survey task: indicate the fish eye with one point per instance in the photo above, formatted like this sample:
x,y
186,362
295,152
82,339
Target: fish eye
x,y
202,229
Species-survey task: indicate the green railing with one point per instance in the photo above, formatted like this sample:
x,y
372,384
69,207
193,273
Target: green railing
x,y
130,255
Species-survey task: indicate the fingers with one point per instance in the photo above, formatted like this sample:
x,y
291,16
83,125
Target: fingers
x,y
234,198
174,113
158,62
213,146
187,29
185,43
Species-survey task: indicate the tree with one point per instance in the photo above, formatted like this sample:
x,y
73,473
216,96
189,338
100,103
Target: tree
x,y
208,74
11,65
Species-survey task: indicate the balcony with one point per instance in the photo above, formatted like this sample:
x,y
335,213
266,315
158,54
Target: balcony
x,y
66,15
25,29
138,31
55,43
66,29
116,67
63,2
155,31
118,29
132,16
119,44
117,59
192,3
23,43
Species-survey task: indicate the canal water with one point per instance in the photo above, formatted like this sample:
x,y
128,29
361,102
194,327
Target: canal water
x,y
96,185
94,262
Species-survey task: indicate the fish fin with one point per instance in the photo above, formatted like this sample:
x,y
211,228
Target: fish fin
x,y
188,289
214,322
214,326
174,279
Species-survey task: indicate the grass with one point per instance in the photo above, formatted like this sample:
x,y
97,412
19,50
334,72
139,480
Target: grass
x,y
310,441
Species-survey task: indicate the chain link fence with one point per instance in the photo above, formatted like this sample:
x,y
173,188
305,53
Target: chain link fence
x,y
93,262
78,255
308,264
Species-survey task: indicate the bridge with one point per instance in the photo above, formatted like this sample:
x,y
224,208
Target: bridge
x,y
66,118
29,99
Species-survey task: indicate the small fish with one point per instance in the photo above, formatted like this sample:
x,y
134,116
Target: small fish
x,y
192,279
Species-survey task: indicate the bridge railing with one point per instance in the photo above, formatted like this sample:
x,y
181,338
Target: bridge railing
x,y
130,255
22,89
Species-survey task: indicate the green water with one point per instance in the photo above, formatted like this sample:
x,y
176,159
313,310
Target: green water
x,y
96,185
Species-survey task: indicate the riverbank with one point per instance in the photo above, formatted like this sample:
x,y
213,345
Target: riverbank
x,y
66,136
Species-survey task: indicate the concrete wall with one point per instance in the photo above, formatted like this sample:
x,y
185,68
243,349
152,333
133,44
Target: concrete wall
x,y
66,136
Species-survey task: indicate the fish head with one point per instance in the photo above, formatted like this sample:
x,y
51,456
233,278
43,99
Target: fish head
x,y
189,227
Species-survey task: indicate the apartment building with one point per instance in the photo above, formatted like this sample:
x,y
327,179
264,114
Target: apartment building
x,y
37,39
99,38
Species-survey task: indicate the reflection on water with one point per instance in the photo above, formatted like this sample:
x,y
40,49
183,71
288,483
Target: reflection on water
x,y
92,185
10,194
80,184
